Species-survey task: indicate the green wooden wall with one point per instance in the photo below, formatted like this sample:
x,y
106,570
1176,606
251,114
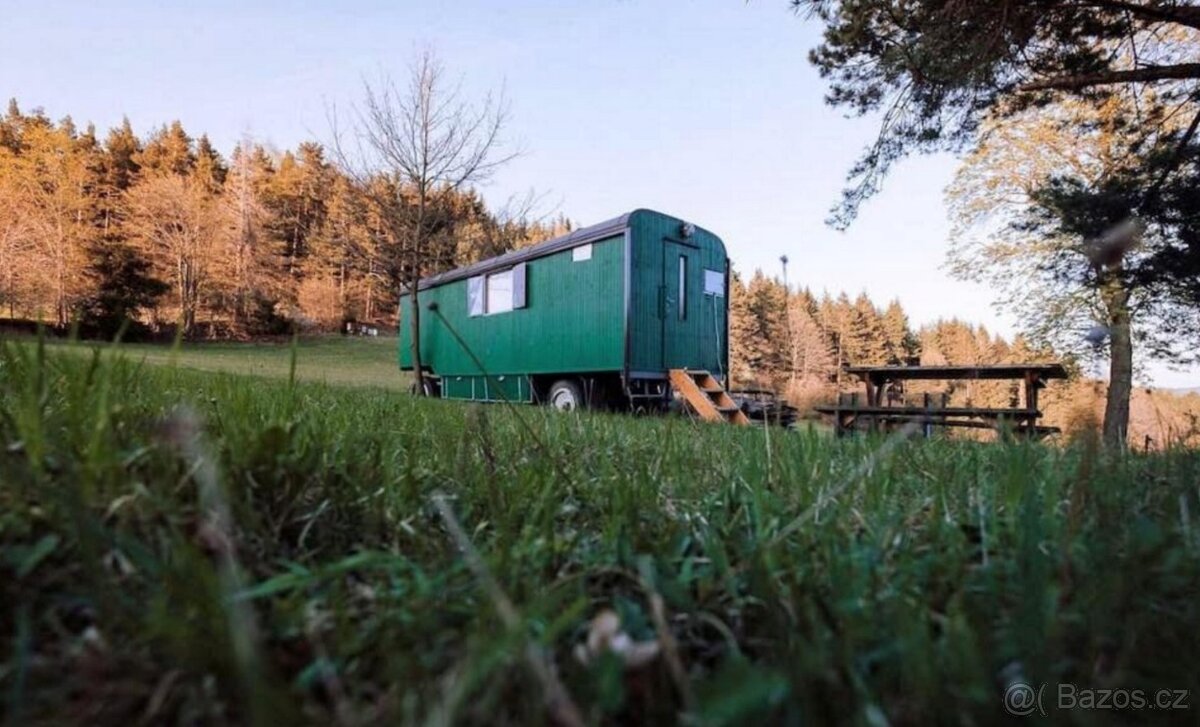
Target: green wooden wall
x,y
659,340
573,321
500,387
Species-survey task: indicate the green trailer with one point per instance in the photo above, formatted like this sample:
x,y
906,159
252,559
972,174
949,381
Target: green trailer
x,y
599,316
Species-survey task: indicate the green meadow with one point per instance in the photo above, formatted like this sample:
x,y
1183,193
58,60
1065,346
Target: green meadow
x,y
344,361
279,535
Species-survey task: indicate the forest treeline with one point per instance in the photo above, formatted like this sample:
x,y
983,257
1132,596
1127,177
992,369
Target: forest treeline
x,y
800,342
165,231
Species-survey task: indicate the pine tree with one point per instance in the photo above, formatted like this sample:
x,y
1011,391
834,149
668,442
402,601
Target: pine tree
x,y
10,128
121,283
297,198
209,169
334,271
123,286
831,317
869,344
118,171
901,344
168,151
767,348
741,333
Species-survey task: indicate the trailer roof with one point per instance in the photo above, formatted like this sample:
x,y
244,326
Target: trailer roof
x,y
582,236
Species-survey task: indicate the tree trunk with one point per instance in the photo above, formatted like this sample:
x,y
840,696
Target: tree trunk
x,y
414,276
414,329
181,277
1120,376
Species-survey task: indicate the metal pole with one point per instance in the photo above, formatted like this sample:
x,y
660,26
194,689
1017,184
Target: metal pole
x,y
787,309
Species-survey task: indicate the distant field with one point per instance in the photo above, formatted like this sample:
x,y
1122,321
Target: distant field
x,y
188,547
340,360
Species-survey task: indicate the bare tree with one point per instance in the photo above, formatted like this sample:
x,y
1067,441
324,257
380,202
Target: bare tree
x,y
181,229
410,148
58,189
14,245
246,267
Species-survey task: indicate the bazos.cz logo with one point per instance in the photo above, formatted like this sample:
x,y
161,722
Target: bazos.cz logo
x,y
1022,700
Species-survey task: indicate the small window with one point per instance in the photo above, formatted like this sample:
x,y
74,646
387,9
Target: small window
x,y
500,292
518,286
714,283
683,287
475,299
582,253
497,292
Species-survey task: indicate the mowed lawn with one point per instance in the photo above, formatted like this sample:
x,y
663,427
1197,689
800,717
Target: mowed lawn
x,y
337,360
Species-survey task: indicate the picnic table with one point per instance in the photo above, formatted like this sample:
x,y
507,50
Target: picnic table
x,y
883,406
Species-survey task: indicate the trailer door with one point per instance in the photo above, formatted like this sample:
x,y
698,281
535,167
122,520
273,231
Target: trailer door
x,y
680,305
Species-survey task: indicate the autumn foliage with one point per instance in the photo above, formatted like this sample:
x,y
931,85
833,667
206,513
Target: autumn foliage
x,y
799,344
163,230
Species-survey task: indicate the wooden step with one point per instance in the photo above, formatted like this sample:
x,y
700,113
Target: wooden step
x,y
705,395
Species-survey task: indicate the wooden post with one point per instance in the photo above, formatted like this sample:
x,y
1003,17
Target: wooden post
x,y
1032,384
927,428
872,393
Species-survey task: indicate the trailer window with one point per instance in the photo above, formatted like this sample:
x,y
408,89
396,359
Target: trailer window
x,y
475,300
500,292
683,287
582,253
714,283
518,286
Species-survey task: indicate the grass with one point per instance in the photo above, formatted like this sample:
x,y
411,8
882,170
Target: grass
x,y
340,360
191,547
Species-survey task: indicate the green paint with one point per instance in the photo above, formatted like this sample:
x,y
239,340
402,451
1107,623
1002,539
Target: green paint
x,y
488,388
662,341
574,321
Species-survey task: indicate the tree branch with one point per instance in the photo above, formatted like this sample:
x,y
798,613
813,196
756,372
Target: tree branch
x,y
1188,16
1149,74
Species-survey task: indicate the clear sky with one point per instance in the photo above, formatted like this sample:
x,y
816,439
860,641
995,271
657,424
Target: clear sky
x,y
706,109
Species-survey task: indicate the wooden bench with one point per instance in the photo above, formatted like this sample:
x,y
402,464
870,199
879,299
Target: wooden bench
x,y
879,411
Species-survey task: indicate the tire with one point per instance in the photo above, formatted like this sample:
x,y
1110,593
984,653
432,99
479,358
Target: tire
x,y
430,389
565,395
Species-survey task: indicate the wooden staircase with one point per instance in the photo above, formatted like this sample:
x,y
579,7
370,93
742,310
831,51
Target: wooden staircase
x,y
705,395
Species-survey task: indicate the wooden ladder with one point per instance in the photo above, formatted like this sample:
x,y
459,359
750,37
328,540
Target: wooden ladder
x,y
705,395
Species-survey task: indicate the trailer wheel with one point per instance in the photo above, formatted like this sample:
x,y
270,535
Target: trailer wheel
x,y
431,388
565,395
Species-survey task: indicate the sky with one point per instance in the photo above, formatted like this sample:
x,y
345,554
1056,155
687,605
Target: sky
x,y
707,110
